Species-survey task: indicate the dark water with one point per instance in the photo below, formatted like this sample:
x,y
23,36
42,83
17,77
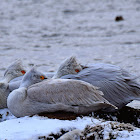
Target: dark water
x,y
46,32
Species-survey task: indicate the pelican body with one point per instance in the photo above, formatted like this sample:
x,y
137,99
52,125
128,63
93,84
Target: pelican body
x,y
54,95
14,70
117,85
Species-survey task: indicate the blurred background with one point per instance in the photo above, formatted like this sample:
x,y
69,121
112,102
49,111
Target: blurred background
x,y
45,32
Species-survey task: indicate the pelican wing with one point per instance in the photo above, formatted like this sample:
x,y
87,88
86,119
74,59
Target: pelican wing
x,y
99,72
65,91
118,86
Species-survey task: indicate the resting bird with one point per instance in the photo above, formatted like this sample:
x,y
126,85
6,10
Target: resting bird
x,y
14,70
117,85
68,66
53,95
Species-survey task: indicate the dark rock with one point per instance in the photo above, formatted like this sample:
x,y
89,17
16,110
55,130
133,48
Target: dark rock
x,y
124,115
119,18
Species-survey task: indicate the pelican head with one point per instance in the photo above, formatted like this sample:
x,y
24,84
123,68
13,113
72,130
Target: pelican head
x,y
31,77
16,69
69,66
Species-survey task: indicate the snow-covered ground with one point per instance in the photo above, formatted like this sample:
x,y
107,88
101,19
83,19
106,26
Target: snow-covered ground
x,y
36,127
45,32
134,104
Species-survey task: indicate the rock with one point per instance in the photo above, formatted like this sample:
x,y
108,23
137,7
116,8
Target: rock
x,y
119,18
121,115
106,131
72,135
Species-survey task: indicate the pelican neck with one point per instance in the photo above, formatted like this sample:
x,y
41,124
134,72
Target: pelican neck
x,y
24,84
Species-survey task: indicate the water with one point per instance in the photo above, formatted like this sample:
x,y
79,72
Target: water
x,y
46,32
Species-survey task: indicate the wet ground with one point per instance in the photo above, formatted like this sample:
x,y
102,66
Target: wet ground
x,y
46,32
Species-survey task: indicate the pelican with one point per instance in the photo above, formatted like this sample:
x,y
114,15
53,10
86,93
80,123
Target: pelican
x,y
68,66
117,85
50,95
14,70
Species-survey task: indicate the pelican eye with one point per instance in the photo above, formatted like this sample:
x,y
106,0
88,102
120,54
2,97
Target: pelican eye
x,y
23,72
42,77
76,70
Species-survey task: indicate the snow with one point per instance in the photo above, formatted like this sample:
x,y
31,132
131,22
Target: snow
x,y
134,104
33,127
135,135
12,128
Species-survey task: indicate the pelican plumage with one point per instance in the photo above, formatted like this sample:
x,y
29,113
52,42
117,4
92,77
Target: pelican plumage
x,y
51,95
14,70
